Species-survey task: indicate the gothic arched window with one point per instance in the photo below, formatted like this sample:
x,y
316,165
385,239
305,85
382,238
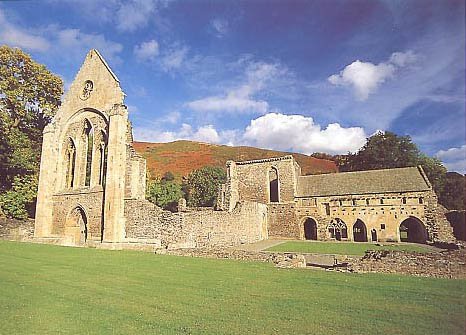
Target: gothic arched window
x,y
70,158
274,189
89,136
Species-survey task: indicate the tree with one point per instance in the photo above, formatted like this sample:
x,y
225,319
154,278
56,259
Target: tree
x,y
453,192
434,170
168,176
164,194
29,97
18,202
201,185
388,150
381,151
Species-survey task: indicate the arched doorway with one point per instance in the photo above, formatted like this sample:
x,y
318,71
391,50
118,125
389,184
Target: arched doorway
x,y
374,235
359,231
310,229
337,229
413,230
76,227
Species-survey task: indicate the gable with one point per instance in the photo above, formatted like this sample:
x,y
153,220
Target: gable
x,y
94,87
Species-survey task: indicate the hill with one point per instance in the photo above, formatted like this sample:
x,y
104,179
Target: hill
x,y
182,157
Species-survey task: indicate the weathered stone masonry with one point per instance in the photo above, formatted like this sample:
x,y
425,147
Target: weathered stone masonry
x,y
92,189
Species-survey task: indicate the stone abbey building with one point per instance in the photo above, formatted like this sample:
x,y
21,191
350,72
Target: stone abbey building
x,y
92,189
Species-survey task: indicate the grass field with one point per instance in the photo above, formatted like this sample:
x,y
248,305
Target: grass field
x,y
56,290
342,248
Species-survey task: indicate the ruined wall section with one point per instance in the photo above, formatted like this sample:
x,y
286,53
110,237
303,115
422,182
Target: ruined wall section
x,y
196,228
436,221
135,173
253,179
90,201
282,220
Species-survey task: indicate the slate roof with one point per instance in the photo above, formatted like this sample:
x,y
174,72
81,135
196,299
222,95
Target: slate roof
x,y
409,179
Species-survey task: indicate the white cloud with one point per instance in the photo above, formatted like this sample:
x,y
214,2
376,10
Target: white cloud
x,y
232,102
134,14
276,131
220,27
205,133
21,38
146,51
241,99
454,158
366,77
77,43
55,40
300,134
173,59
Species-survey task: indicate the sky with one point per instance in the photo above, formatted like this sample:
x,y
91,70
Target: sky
x,y
302,76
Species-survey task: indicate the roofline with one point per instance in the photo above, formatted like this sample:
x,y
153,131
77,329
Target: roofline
x,y
352,194
106,65
348,172
273,159
423,174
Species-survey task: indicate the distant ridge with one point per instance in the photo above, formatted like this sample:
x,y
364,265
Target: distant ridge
x,y
182,157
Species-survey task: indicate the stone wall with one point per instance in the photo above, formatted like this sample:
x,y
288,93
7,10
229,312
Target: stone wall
x,y
196,228
253,179
282,220
16,230
90,201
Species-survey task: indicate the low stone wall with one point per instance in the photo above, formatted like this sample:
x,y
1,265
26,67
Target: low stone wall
x,y
445,264
247,223
285,260
16,230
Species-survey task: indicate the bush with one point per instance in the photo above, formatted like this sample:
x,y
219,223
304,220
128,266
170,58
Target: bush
x,y
201,186
19,202
164,194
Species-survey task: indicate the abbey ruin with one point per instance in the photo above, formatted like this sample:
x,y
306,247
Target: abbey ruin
x,y
92,189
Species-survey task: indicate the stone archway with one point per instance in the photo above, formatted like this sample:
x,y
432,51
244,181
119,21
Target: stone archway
x,y
76,227
359,231
310,229
413,230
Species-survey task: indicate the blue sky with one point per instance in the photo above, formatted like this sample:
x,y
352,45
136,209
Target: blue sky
x,y
304,76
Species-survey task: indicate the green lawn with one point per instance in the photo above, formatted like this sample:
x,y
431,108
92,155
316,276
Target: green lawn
x,y
56,290
342,248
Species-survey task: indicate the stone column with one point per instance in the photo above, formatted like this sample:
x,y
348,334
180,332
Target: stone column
x,y
47,182
114,220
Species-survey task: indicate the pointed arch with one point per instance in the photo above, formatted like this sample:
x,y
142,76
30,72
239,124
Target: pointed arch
x,y
274,185
359,231
70,163
102,157
76,225
89,147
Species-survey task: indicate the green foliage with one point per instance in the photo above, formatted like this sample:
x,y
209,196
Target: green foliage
x,y
29,97
164,194
434,170
388,150
453,192
382,151
201,186
168,176
19,201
